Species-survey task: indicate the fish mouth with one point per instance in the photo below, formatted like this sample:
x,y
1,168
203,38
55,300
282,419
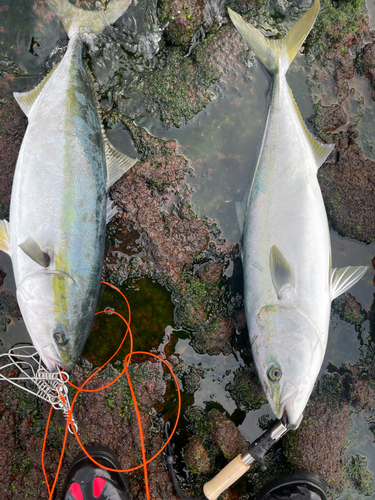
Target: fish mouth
x,y
286,405
52,359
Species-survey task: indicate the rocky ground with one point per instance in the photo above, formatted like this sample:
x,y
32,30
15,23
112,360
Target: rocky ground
x,y
157,234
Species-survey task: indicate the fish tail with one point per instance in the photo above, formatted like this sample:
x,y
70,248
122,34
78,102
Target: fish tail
x,y
276,55
76,20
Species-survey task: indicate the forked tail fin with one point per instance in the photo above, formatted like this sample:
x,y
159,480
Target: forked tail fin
x,y
77,20
276,55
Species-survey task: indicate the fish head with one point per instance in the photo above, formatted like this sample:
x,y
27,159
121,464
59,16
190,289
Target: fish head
x,y
56,316
288,355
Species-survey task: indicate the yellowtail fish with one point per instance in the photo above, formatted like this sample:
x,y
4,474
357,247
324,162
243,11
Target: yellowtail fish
x,y
289,284
59,204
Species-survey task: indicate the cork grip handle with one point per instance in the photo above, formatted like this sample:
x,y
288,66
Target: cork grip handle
x,y
229,475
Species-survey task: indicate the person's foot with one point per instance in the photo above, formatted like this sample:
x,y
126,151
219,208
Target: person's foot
x,y
87,481
301,485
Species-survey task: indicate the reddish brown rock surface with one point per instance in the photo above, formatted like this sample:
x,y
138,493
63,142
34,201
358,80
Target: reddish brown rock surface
x,y
319,444
348,189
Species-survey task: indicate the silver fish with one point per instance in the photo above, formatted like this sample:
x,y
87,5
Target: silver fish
x,y
289,284
59,204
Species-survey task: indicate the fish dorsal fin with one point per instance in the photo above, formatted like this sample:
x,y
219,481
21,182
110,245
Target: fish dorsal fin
x,y
112,210
117,163
26,100
276,55
320,151
5,236
281,272
344,278
31,248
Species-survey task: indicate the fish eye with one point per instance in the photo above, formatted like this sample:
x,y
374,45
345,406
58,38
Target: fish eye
x,y
274,373
60,338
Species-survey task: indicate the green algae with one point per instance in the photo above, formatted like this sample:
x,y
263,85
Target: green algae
x,y
154,311
349,310
246,391
356,471
332,24
179,88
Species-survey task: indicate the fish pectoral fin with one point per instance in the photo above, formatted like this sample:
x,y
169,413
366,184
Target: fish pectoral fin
x,y
31,248
117,163
281,272
26,100
5,236
112,210
344,278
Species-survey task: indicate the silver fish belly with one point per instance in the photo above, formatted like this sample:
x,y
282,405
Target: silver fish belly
x,y
288,281
58,211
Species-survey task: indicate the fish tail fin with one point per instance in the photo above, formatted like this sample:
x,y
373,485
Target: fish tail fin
x,y
77,20
276,55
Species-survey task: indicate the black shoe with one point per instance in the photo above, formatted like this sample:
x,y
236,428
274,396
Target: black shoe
x,y
87,481
302,485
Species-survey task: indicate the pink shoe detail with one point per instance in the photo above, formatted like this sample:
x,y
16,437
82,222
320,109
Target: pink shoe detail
x,y
75,490
99,483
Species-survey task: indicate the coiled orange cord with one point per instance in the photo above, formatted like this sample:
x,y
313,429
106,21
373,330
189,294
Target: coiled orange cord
x,y
81,389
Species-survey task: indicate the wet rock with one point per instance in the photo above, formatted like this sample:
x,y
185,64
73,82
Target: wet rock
x,y
8,309
344,70
349,310
196,457
184,19
329,118
367,64
318,445
12,128
348,188
214,341
246,390
211,272
179,87
2,277
173,235
356,470
225,435
336,29
359,387
106,417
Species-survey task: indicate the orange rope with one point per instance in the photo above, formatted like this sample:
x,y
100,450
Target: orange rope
x,y
81,389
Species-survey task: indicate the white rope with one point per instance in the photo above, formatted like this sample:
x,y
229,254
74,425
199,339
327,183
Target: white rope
x,y
51,387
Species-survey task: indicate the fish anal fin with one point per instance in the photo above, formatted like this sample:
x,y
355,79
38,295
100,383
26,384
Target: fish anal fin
x,y
281,273
117,163
26,100
320,151
5,236
112,210
31,248
344,278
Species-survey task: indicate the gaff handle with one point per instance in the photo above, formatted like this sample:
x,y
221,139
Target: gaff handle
x,y
241,464
226,477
